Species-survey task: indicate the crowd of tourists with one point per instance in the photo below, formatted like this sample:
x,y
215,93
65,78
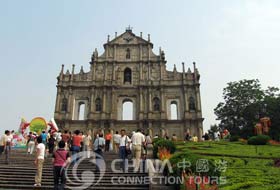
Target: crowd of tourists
x,y
64,147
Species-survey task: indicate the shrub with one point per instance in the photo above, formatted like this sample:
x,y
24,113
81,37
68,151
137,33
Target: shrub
x,y
258,140
177,162
163,143
234,138
156,140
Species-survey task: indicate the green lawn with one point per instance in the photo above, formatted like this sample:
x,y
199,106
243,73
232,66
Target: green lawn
x,y
247,168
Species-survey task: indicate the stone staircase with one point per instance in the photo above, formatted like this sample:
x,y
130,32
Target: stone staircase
x,y
20,173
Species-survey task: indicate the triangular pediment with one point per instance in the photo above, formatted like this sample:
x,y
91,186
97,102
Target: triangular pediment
x,y
126,38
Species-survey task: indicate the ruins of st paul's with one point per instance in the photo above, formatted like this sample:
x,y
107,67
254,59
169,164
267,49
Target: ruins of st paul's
x,y
129,71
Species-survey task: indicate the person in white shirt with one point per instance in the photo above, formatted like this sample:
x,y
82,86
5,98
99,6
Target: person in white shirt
x,y
149,145
216,136
2,143
116,139
5,144
99,145
30,143
58,138
138,140
11,136
124,142
87,142
39,161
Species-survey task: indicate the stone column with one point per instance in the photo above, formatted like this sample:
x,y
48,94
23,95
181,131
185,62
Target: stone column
x,y
114,73
198,100
115,52
105,73
141,72
140,52
104,110
92,103
70,112
93,72
141,110
186,99
113,105
162,104
141,63
72,74
149,63
160,66
149,103
58,99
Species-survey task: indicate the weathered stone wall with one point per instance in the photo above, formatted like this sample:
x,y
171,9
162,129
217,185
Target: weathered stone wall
x,y
128,70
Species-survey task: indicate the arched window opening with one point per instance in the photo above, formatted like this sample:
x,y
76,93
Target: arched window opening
x,y
64,105
98,105
127,75
156,104
174,110
127,110
127,53
81,111
192,103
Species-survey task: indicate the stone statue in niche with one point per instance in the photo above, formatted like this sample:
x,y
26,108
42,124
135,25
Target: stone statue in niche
x,y
98,106
192,103
64,105
127,53
156,104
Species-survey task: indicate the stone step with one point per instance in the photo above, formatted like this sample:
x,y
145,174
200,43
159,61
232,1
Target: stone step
x,y
20,187
20,173
23,175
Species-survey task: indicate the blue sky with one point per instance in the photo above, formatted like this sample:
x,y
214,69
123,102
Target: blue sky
x,y
229,40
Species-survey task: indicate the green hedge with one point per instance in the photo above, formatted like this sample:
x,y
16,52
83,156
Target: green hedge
x,y
258,140
234,138
160,142
178,159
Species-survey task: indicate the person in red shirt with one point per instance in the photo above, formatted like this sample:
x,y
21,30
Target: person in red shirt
x,y
60,160
66,138
108,138
76,144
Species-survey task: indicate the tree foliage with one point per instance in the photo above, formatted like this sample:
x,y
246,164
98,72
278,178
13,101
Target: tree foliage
x,y
213,129
244,103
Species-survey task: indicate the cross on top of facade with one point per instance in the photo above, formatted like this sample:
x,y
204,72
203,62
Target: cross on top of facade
x,y
129,28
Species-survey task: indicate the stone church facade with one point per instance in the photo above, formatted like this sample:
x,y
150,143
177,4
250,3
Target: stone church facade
x,y
129,71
